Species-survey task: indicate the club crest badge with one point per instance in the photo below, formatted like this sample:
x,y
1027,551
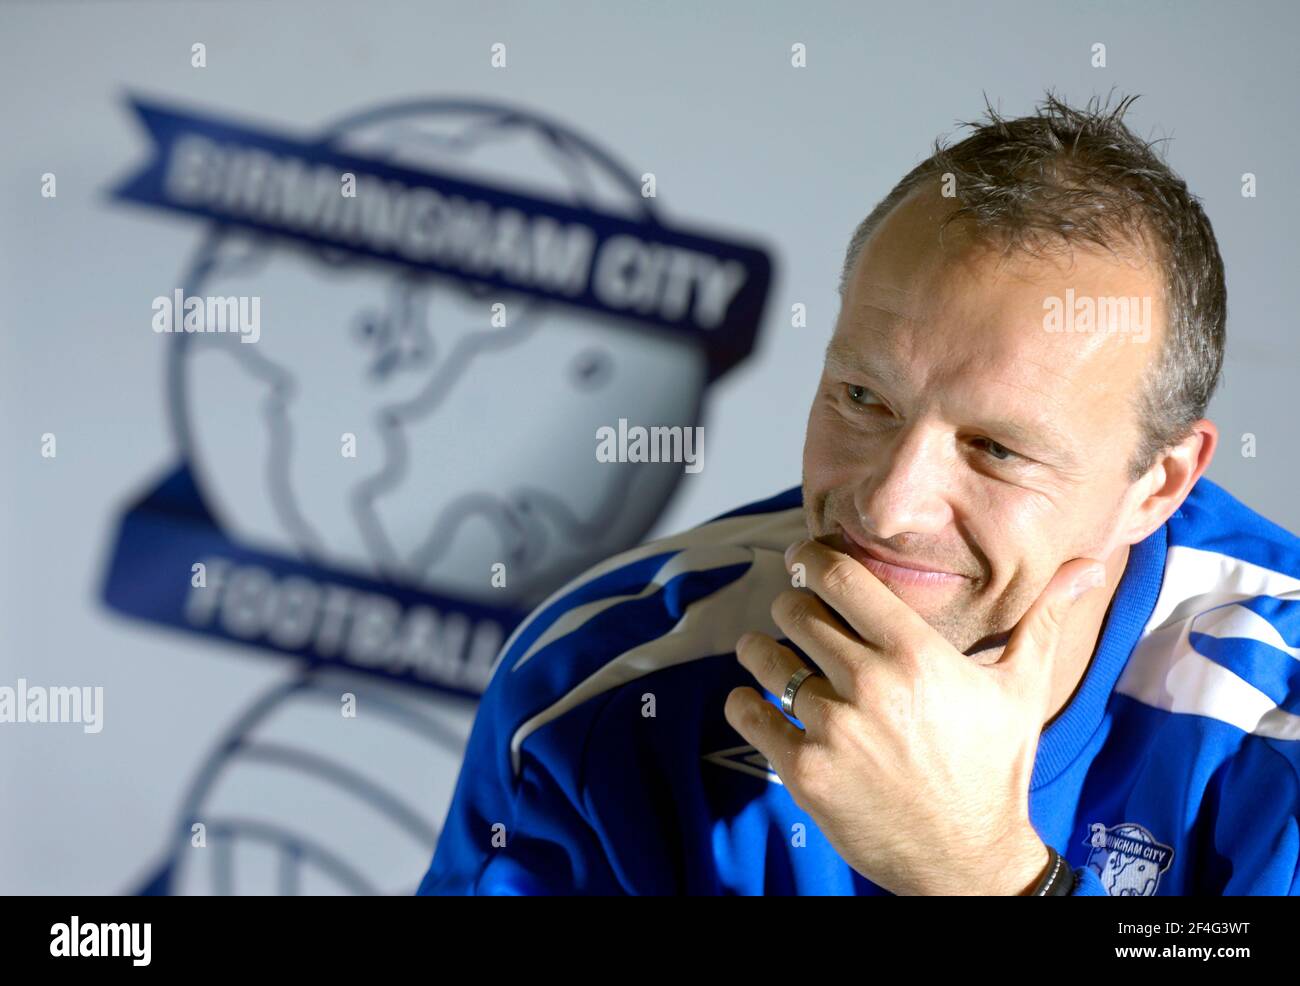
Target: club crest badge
x,y
388,359
1127,858
448,300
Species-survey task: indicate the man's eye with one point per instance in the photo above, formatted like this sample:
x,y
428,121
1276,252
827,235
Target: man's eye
x,y
862,396
999,452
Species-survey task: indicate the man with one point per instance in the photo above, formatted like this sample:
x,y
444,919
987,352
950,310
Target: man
x,y
1024,646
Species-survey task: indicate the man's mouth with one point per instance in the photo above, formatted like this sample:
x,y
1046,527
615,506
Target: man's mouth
x,y
893,568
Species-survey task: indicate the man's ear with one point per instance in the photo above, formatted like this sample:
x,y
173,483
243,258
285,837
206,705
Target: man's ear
x,y
1171,477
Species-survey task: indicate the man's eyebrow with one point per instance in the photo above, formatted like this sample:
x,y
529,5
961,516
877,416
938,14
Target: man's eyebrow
x,y
846,358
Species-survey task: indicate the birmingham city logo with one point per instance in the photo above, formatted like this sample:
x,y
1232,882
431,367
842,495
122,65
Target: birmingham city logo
x,y
1127,858
453,298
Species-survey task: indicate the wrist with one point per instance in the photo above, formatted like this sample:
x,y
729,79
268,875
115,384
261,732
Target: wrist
x,y
1057,881
1033,864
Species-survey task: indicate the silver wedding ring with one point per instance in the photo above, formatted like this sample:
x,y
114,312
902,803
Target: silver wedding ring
x,y
792,688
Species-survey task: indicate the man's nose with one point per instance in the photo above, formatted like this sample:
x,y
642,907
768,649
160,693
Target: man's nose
x,y
908,490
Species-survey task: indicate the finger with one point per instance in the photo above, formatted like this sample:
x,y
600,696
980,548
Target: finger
x,y
772,666
865,603
1035,640
815,628
765,728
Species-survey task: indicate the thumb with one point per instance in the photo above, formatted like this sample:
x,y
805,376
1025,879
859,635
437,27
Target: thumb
x,y
1034,641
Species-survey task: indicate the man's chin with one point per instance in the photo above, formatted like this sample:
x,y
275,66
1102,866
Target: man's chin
x,y
943,608
985,650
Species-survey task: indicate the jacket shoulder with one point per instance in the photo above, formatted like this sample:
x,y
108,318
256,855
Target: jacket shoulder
x,y
672,600
1223,637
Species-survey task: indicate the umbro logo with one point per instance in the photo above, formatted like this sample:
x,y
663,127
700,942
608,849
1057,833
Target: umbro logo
x,y
746,759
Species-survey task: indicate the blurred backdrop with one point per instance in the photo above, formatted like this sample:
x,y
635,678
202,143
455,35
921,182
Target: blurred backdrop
x,y
284,558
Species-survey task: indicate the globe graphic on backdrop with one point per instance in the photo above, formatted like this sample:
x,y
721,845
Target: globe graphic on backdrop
x,y
473,444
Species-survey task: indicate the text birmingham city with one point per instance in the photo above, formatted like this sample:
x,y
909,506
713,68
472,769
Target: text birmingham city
x,y
475,237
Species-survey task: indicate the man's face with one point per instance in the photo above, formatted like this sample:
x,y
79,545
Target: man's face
x,y
951,431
